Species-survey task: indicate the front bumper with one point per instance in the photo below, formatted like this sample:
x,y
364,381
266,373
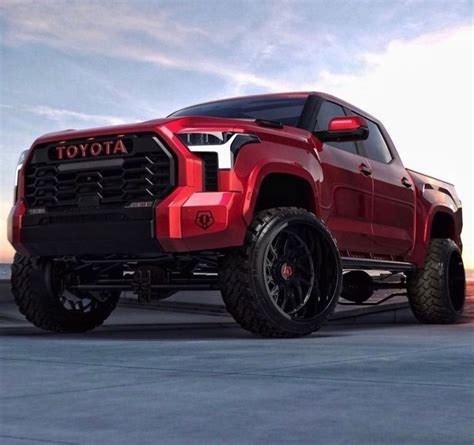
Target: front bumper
x,y
97,232
185,221
192,221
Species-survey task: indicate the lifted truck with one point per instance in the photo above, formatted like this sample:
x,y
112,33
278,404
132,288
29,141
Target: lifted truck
x,y
246,195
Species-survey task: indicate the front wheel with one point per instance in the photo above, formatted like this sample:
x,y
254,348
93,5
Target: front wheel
x,y
37,285
436,293
285,281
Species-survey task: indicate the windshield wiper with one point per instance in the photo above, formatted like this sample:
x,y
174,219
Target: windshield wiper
x,y
268,123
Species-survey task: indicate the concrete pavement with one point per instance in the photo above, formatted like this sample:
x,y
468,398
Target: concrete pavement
x,y
185,380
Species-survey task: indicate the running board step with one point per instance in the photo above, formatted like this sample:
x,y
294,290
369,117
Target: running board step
x,y
367,264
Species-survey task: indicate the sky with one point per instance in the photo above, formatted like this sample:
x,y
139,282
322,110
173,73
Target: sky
x,y
82,64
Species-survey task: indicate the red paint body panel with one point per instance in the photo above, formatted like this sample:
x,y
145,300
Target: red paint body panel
x,y
433,197
347,200
14,227
372,216
393,211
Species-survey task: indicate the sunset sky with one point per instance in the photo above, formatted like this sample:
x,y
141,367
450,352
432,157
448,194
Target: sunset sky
x,y
79,64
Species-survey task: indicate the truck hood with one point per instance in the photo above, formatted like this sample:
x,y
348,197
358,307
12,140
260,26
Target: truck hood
x,y
288,134
69,134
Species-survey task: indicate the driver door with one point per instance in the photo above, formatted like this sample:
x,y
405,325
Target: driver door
x,y
347,189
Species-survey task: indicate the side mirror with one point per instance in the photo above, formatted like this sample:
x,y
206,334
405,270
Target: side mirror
x,y
343,129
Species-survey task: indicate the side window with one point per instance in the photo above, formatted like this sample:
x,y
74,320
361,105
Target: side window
x,y
328,111
375,145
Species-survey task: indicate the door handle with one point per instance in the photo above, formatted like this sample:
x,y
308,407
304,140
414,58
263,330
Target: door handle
x,y
365,170
406,182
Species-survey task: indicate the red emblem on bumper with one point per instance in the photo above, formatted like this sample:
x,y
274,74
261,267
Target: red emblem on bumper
x,y
204,219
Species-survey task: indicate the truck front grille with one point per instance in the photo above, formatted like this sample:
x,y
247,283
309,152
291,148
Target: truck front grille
x,y
145,173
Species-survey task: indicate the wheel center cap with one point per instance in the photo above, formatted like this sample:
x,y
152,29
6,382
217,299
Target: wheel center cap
x,y
287,271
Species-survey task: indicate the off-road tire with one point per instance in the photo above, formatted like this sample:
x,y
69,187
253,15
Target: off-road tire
x,y
41,306
240,278
436,293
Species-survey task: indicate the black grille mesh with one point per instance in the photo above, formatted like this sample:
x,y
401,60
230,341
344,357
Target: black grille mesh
x,y
210,170
145,174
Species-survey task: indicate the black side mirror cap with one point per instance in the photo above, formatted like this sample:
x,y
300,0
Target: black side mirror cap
x,y
360,134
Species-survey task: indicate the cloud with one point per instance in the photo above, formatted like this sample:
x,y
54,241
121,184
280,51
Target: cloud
x,y
79,23
59,114
127,33
422,90
420,87
207,66
6,250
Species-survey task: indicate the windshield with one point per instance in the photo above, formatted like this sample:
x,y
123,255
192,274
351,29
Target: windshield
x,y
285,110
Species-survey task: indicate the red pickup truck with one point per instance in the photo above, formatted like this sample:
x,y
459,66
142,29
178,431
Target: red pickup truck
x,y
281,201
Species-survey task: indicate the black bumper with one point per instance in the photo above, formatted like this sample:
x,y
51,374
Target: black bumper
x,y
124,231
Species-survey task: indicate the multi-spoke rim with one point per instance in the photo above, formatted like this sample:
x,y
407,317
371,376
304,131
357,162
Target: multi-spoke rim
x,y
82,303
292,263
75,303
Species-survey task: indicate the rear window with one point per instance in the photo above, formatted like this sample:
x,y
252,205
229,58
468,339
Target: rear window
x,y
285,110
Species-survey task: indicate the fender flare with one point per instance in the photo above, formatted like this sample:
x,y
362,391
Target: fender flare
x,y
435,210
264,169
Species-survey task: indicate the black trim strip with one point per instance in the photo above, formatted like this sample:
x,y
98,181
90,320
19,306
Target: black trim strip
x,y
368,264
269,123
89,165
242,140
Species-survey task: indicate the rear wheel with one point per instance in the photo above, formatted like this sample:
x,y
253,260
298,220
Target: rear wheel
x,y
285,281
38,288
436,293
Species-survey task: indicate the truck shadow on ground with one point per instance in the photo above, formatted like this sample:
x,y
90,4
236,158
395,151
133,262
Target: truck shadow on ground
x,y
190,332
153,333
219,331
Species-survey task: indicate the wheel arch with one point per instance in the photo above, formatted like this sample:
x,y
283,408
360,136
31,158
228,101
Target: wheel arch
x,y
294,185
438,222
443,222
442,225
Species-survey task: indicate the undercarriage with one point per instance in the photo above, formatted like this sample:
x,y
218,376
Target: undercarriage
x,y
149,278
158,277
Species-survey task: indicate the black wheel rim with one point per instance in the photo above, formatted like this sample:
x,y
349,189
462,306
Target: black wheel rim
x,y
75,303
292,273
82,303
456,281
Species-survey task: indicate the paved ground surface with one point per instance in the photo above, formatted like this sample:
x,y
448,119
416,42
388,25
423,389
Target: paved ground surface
x,y
190,375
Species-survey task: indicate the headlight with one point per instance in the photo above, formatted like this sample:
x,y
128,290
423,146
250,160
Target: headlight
x,y
225,144
214,138
19,166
